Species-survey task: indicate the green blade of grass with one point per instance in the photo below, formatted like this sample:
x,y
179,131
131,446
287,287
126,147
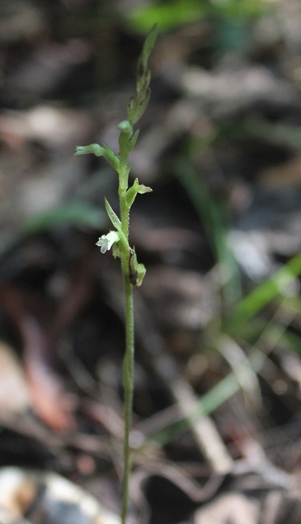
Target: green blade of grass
x,y
206,405
275,286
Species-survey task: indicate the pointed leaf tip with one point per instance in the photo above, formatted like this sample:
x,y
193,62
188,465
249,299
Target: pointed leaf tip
x,y
112,215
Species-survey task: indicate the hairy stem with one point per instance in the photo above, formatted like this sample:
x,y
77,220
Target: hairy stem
x,y
128,359
128,384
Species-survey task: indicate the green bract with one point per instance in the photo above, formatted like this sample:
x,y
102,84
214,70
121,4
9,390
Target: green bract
x,y
134,190
112,215
97,150
136,271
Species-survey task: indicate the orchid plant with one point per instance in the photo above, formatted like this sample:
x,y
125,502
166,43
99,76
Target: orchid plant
x,y
117,239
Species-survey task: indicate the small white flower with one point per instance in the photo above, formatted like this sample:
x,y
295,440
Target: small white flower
x,y
105,242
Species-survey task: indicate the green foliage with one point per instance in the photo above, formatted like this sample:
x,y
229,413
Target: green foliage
x,y
177,13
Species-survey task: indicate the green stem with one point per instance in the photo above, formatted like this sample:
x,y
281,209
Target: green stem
x,y
128,384
128,359
132,272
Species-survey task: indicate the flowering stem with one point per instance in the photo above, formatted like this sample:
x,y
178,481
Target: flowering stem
x,y
132,272
128,359
128,384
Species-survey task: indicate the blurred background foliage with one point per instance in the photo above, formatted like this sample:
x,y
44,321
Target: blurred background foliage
x,y
170,15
